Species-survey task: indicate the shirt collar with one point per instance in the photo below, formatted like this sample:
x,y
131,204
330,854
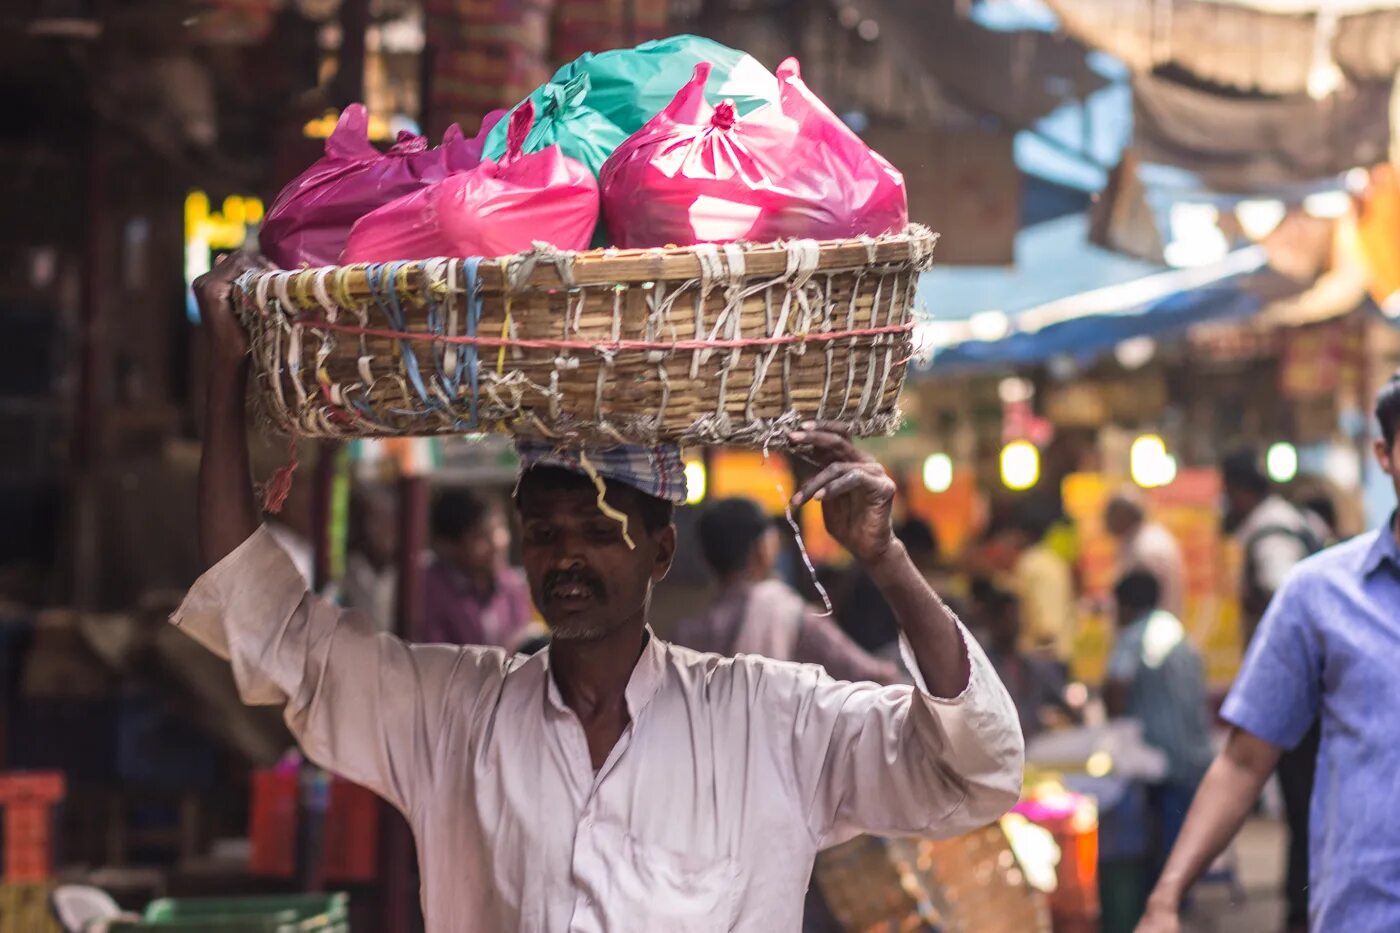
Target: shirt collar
x,y
641,687
1384,548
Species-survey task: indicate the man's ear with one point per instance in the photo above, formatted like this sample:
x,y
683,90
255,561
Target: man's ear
x,y
665,552
1384,458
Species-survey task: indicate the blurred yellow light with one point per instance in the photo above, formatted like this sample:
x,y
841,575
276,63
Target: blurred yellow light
x,y
695,482
1150,464
1282,462
938,472
1100,764
1020,465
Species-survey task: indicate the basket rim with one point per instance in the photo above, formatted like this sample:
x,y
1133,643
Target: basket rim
x,y
544,266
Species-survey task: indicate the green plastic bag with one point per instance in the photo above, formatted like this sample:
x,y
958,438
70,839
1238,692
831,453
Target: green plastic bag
x,y
627,87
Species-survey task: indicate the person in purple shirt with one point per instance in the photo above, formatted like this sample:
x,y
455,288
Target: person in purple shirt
x,y
472,596
1327,648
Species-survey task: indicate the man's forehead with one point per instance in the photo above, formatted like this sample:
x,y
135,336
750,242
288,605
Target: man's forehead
x,y
564,503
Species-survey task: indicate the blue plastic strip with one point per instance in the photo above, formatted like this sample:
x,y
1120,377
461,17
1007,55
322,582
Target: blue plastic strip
x,y
472,356
388,301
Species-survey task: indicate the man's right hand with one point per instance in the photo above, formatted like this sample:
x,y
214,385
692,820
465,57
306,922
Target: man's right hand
x,y
214,292
1160,920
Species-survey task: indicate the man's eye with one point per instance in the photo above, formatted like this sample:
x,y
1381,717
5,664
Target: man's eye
x,y
601,532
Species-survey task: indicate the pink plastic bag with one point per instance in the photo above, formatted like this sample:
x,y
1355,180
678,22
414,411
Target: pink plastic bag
x,y
700,174
493,210
311,217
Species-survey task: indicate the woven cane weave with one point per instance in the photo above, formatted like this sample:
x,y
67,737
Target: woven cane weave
x,y
971,884
703,344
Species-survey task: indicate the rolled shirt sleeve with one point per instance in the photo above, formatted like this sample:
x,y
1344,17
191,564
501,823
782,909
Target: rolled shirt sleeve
x,y
1277,694
898,761
360,703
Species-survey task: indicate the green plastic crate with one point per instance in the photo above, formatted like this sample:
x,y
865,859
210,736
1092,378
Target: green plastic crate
x,y
290,913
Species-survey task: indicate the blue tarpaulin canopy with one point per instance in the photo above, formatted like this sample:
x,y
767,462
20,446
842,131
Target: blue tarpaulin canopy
x,y
1065,295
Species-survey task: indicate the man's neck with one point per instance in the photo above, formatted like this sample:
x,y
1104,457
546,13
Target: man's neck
x,y
592,675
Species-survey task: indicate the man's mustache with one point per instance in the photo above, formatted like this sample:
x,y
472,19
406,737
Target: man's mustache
x,y
557,579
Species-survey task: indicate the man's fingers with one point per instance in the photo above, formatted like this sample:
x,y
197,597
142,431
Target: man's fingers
x,y
827,446
844,484
813,486
829,426
836,479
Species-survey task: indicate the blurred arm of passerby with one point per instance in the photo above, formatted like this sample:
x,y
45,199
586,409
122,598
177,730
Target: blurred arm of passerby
x,y
1226,797
754,612
1274,701
821,641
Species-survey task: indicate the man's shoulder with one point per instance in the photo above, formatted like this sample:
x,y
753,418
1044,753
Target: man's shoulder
x,y
1335,564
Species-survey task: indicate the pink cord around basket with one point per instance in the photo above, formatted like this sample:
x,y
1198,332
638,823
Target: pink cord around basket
x,y
613,345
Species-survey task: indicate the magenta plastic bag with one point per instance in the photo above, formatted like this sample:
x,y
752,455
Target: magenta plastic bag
x,y
701,174
493,210
311,217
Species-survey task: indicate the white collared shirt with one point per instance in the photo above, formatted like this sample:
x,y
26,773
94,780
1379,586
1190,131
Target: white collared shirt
x,y
708,812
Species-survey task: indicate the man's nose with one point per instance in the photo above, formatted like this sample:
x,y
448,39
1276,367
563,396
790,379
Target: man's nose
x,y
568,552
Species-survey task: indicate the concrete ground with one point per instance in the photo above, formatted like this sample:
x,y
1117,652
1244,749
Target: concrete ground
x,y
1259,859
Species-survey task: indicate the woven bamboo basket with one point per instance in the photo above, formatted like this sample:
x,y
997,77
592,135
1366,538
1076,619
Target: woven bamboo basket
x,y
702,344
970,884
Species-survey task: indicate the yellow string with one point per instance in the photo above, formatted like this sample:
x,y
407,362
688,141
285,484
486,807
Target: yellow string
x,y
603,506
505,335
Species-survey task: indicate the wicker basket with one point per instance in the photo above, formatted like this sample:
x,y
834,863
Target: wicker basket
x,y
971,884
701,344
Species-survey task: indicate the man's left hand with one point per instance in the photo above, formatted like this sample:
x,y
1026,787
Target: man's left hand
x,y
856,493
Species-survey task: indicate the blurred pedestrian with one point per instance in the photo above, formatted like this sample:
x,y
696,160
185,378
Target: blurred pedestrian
x,y
1275,537
865,615
753,612
1147,545
1036,684
1326,647
473,597
1043,582
371,571
1155,677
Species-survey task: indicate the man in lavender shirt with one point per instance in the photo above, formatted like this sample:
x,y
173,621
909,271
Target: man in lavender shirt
x,y
1328,647
472,596
753,612
612,781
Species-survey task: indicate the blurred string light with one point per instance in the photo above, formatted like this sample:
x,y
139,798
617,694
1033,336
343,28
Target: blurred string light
x,y
1259,218
696,482
1281,462
989,326
1327,205
1135,352
1020,465
938,472
1197,239
1013,390
1150,464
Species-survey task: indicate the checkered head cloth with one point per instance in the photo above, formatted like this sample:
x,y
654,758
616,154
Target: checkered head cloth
x,y
656,471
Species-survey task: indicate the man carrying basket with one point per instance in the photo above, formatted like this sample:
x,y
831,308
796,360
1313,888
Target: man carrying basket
x,y
612,781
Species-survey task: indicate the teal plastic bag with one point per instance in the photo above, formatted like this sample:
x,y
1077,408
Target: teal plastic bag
x,y
566,119
627,87
630,86
595,102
